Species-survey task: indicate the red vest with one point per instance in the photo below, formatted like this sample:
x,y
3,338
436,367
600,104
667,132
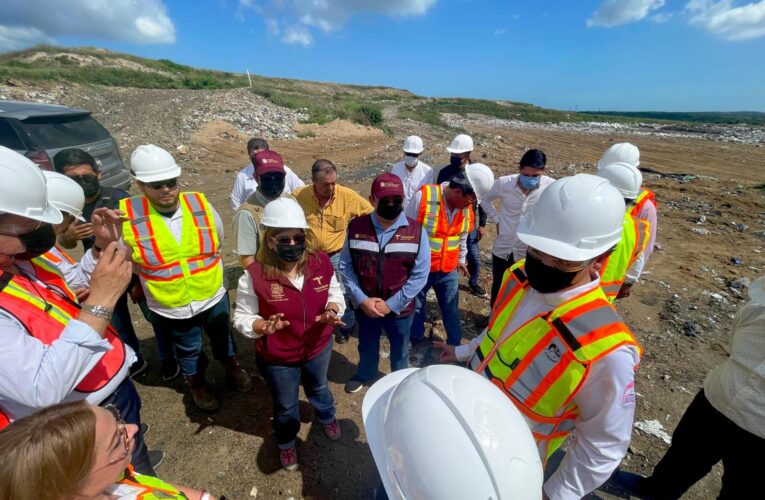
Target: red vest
x,y
304,338
45,313
383,271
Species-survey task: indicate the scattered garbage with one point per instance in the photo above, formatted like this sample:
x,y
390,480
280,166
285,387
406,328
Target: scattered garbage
x,y
653,428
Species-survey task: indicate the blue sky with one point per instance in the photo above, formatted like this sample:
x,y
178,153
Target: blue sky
x,y
691,55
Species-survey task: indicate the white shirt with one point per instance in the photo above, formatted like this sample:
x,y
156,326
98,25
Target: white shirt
x,y
648,212
248,306
34,375
413,179
606,403
413,209
514,204
736,388
245,184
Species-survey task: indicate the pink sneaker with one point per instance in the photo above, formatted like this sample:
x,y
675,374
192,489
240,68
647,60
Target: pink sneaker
x,y
288,458
332,430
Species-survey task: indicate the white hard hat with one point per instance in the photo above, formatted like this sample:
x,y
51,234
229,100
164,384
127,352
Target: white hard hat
x,y
413,144
285,213
757,290
461,144
481,178
150,163
622,151
65,194
575,218
447,433
24,191
624,177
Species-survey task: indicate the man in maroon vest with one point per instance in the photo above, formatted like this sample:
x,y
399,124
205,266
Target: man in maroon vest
x,y
384,264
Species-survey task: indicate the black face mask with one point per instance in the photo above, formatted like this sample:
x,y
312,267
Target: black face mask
x,y
89,184
290,253
546,279
389,212
455,161
272,185
37,242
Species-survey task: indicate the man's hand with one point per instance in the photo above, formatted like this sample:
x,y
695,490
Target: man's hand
x,y
447,352
77,231
463,269
330,317
273,324
106,225
369,307
624,291
481,230
82,294
382,306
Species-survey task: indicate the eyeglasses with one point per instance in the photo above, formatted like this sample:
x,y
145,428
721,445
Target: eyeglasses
x,y
170,183
124,435
290,240
559,264
469,194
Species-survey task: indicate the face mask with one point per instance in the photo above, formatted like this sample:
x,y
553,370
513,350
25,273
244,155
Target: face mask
x,y
455,161
546,279
389,212
529,181
272,185
37,242
410,161
290,253
89,184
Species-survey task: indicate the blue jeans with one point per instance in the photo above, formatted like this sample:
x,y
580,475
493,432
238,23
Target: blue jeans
x,y
128,403
370,329
473,258
122,323
284,384
349,316
186,337
446,286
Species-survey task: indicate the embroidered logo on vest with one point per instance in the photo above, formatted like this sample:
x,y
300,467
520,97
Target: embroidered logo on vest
x,y
277,292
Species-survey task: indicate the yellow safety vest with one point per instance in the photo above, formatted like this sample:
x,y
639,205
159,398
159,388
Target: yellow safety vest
x,y
175,273
140,487
444,237
543,364
635,236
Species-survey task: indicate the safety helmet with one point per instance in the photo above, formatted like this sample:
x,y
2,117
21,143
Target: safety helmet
x,y
65,194
24,191
575,218
757,290
285,213
150,163
497,456
461,144
413,144
622,151
624,177
481,178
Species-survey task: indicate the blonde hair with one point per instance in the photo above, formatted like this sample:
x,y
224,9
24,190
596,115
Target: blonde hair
x,y
47,455
273,266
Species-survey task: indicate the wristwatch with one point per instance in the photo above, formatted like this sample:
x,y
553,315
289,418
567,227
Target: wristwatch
x,y
98,311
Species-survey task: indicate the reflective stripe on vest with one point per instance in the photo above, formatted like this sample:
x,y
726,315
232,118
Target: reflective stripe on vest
x,y
444,237
141,487
645,196
543,364
47,271
635,236
175,273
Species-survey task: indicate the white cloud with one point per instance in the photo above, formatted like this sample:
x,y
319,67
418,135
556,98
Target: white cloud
x,y
34,21
297,35
729,22
617,12
662,17
499,31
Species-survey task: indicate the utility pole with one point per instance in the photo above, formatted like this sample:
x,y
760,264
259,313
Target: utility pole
x,y
248,77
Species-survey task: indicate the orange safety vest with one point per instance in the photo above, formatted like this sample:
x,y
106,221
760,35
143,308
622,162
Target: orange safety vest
x,y
636,233
645,196
44,313
444,237
542,365
48,271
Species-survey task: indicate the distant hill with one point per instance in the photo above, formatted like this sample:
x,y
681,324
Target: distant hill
x,y
322,102
723,118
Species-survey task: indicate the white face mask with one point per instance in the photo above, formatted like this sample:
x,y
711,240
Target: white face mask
x,y
410,161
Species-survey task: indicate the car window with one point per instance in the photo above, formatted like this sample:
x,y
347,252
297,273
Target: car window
x,y
8,136
64,131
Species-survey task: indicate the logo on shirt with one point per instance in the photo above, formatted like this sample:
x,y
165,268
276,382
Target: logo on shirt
x,y
277,291
553,353
317,279
629,394
404,237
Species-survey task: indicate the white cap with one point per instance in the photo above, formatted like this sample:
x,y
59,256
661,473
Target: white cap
x,y
150,163
65,194
626,178
575,218
285,213
757,290
622,151
461,144
24,190
447,433
481,179
413,144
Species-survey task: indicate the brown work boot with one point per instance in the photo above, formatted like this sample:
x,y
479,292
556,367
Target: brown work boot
x,y
236,376
203,398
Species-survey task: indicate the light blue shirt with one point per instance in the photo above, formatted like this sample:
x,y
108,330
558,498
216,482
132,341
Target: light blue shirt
x,y
417,278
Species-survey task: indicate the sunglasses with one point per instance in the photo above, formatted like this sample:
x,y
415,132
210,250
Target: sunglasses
x,y
413,155
289,240
170,183
554,262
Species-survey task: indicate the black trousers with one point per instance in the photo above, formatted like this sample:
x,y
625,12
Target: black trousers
x,y
498,268
703,437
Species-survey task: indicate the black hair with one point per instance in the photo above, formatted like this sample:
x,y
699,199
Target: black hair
x,y
256,143
322,166
535,158
72,157
460,181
